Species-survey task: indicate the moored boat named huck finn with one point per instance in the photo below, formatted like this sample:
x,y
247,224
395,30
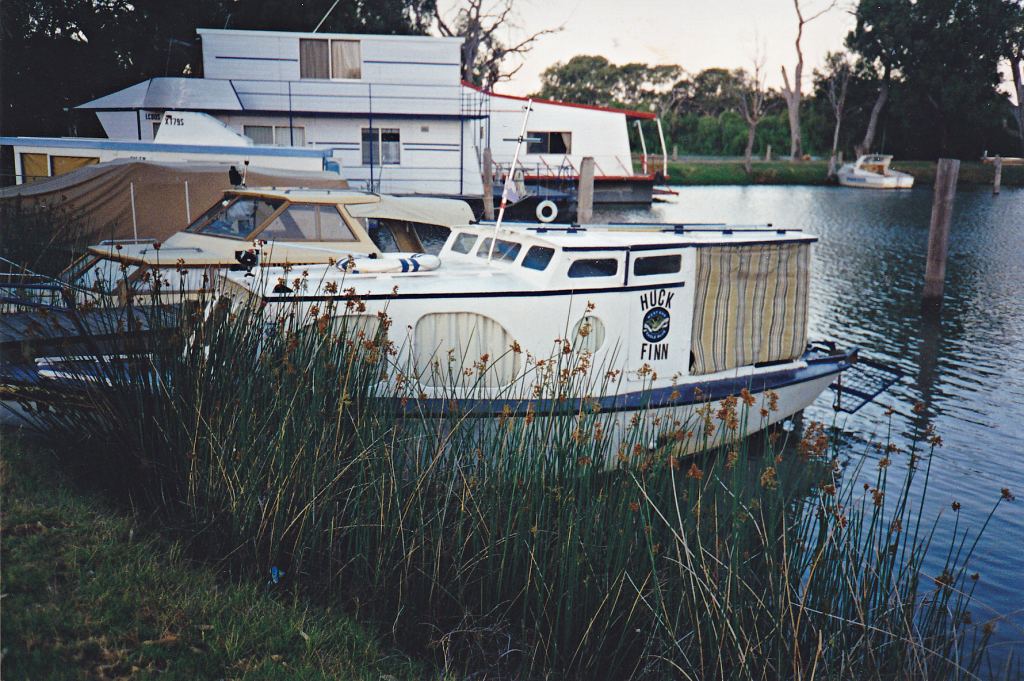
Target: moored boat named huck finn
x,y
872,171
676,315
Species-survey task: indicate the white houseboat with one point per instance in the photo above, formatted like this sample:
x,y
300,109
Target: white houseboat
x,y
390,112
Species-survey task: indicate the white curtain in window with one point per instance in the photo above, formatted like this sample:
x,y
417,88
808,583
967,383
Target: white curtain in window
x,y
259,134
295,137
447,343
346,60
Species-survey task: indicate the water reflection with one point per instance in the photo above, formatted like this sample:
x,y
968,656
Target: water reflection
x,y
963,362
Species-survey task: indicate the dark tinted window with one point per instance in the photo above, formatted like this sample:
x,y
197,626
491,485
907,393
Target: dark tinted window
x,y
658,264
464,243
538,257
503,250
598,267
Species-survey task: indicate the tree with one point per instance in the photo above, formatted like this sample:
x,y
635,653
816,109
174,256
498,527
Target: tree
x,y
752,97
876,38
792,91
484,54
593,80
1014,53
836,80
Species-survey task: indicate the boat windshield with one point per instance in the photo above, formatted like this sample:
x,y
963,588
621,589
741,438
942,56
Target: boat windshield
x,y
235,218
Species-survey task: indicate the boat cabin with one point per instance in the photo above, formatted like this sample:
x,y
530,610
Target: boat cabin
x,y
274,226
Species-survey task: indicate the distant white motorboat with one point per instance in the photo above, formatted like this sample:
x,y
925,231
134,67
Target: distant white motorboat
x,y
872,171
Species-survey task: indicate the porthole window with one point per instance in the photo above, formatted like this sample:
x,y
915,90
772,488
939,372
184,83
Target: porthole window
x,y
594,267
463,243
464,349
658,264
538,257
588,335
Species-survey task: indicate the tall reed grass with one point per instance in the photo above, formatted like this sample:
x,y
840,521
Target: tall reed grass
x,y
527,545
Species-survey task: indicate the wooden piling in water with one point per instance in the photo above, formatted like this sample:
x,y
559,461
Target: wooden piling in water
x,y
997,174
585,195
768,153
938,230
488,177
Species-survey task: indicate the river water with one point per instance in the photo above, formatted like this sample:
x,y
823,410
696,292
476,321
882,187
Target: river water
x,y
964,363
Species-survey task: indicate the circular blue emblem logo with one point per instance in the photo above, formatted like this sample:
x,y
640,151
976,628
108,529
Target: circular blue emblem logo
x,y
656,324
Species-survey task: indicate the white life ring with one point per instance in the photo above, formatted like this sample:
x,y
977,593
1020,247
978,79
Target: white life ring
x,y
547,211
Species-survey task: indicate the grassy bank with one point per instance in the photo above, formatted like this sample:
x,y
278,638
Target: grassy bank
x,y
556,543
814,173
90,594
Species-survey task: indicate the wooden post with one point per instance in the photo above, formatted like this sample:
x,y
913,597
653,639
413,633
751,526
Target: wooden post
x,y
585,195
488,176
768,153
675,152
997,177
938,231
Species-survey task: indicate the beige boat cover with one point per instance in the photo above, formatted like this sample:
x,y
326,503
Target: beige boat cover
x,y
750,305
98,197
424,210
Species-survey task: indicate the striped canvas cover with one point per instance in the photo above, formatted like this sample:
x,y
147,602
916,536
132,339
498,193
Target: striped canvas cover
x,y
750,305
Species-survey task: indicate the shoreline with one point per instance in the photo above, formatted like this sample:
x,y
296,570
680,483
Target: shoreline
x,y
731,172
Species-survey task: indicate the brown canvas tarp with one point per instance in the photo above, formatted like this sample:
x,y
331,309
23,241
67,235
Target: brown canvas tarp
x,y
98,197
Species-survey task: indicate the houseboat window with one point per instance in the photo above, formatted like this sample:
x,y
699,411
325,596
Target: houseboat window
x,y
346,61
381,146
594,267
34,167
332,226
314,59
503,250
658,264
276,135
538,257
464,242
549,143
259,134
235,218
324,59
65,164
294,136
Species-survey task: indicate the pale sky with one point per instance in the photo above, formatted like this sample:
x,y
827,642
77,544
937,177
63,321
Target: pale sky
x,y
695,34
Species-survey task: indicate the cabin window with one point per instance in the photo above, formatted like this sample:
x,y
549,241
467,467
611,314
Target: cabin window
x,y
326,59
538,257
506,251
594,267
295,223
588,335
658,264
34,167
333,227
236,218
549,143
445,344
300,222
464,242
65,164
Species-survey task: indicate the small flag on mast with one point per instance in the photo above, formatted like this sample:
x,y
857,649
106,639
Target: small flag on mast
x,y
509,194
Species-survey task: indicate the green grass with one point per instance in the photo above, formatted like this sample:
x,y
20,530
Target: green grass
x,y
88,592
529,545
814,173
